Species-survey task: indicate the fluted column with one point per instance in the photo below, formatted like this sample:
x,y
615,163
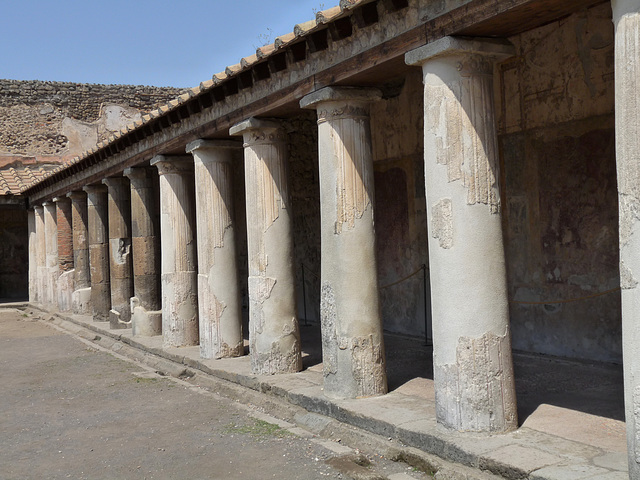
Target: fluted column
x,y
41,255
178,246
51,245
274,336
626,18
65,285
81,297
120,271
146,306
473,369
219,301
98,224
352,337
33,265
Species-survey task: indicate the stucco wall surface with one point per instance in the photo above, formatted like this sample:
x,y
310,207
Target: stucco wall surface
x,y
560,195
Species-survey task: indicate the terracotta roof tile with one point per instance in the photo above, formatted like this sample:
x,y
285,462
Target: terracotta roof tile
x,y
284,40
233,69
265,51
248,61
302,29
13,180
325,16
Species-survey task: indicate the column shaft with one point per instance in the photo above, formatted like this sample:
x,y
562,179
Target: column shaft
x,y
626,17
81,298
65,285
146,307
33,265
120,251
98,222
51,245
219,301
178,240
352,337
274,336
41,255
473,369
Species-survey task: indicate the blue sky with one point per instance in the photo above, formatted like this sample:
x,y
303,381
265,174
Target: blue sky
x,y
140,42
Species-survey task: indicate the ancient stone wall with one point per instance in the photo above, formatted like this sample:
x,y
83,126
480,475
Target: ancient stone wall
x,y
556,132
64,119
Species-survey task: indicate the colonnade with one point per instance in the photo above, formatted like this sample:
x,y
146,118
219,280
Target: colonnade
x,y
155,249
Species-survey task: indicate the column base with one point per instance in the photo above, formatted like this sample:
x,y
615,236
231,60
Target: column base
x,y
81,301
116,322
65,291
145,323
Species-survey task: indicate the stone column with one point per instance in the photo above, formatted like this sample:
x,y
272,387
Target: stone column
x,y
352,338
81,298
120,251
41,255
146,308
274,337
219,301
98,223
65,285
33,263
178,261
51,245
473,368
626,18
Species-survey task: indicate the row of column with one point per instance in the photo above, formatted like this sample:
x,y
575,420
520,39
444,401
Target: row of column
x,y
198,300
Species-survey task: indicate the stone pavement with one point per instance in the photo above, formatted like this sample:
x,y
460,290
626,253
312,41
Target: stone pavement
x,y
571,414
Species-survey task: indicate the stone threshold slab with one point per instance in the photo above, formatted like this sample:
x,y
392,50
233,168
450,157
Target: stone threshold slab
x,y
410,420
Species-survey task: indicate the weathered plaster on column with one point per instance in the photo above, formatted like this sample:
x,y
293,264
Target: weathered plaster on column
x,y
51,245
65,285
146,304
41,255
33,266
473,369
178,240
98,234
274,337
352,338
220,310
120,271
81,297
626,17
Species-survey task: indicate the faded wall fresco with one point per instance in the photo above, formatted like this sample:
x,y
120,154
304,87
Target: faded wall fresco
x,y
400,212
555,103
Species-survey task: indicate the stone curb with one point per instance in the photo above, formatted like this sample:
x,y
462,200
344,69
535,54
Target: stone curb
x,y
423,439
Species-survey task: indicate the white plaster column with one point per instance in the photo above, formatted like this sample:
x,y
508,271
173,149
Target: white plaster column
x,y
65,285
33,265
274,336
473,368
41,255
81,297
352,337
626,18
98,228
219,301
120,269
178,246
51,245
146,304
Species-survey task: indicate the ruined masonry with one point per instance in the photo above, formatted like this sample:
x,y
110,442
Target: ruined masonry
x,y
490,146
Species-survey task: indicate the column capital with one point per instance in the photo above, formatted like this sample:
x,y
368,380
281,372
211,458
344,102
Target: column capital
x,y
77,195
346,95
138,174
168,164
620,8
114,182
259,131
94,189
37,209
48,203
61,199
495,49
203,144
